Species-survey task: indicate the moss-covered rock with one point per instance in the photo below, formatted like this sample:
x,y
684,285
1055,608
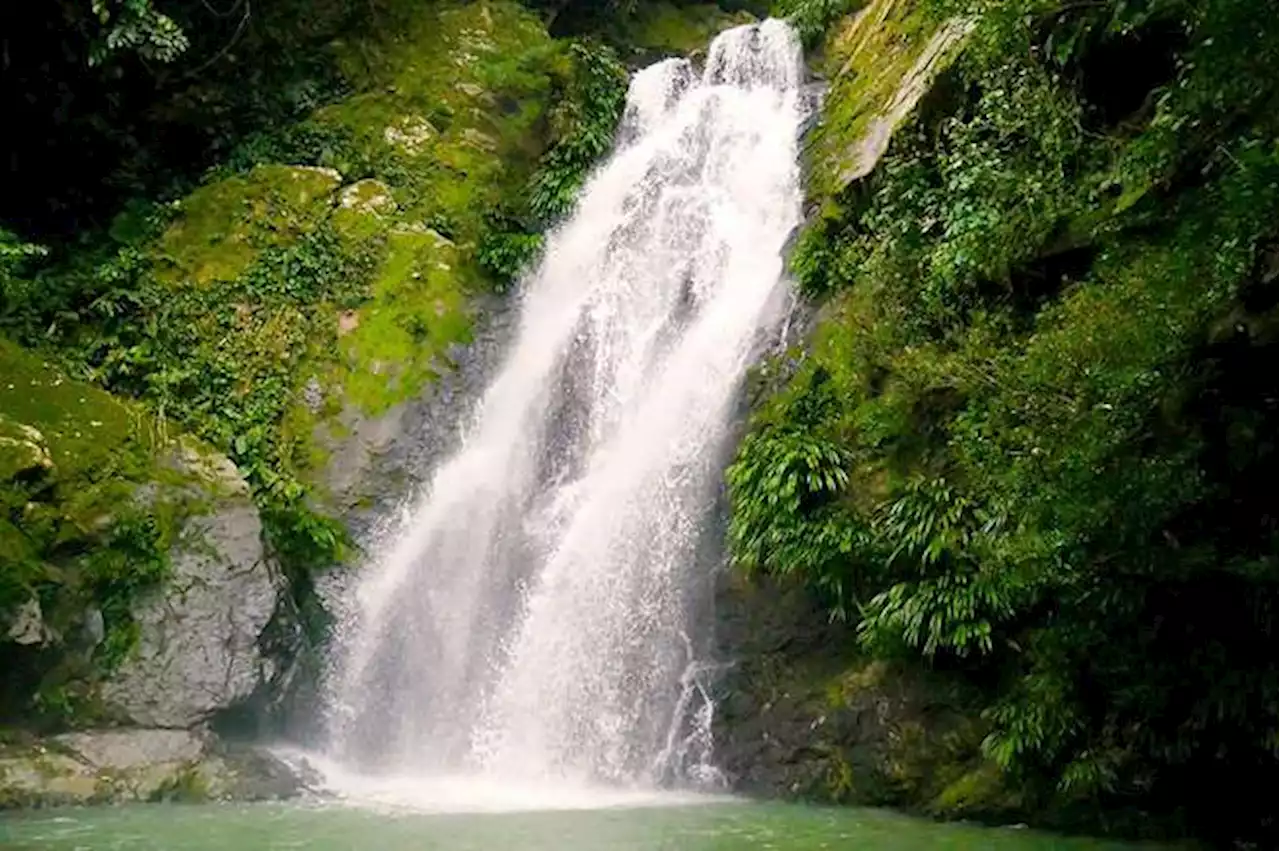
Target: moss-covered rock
x,y
399,341
452,110
137,764
880,61
197,634
451,113
71,458
804,713
100,503
224,225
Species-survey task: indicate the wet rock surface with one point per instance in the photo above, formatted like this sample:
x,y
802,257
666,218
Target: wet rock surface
x,y
802,714
198,650
139,764
384,460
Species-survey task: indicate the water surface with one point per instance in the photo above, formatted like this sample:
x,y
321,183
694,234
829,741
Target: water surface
x,y
726,826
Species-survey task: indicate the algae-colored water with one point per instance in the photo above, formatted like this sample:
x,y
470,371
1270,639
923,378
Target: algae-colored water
x,y
720,826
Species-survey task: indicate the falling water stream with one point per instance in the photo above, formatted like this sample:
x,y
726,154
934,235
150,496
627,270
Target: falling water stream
x,y
533,621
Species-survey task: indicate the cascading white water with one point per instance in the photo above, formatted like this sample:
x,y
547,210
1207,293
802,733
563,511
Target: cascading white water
x,y
533,620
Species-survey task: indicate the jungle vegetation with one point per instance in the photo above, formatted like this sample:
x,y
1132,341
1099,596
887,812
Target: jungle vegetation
x,y
1032,439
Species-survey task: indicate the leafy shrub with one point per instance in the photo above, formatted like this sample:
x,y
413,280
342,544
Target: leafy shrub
x,y
589,105
136,25
504,254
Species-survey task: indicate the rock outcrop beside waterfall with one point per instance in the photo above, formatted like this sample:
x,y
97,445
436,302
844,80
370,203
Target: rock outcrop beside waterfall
x,y
197,650
138,764
157,664
803,713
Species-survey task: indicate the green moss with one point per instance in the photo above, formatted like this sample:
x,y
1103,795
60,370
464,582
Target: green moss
x,y
867,56
224,225
670,29
188,786
455,118
93,449
89,516
417,311
980,791
354,290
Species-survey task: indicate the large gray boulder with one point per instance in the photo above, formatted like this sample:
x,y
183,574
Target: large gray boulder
x,y
198,647
132,764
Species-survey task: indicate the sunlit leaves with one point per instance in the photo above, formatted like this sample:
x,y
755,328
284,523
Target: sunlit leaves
x,y
136,26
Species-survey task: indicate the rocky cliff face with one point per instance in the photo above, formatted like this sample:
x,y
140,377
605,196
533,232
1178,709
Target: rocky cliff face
x,y
138,764
803,713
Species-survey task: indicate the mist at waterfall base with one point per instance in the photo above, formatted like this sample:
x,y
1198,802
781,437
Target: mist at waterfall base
x,y
530,637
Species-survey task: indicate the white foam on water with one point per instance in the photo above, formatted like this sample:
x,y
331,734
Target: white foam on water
x,y
416,793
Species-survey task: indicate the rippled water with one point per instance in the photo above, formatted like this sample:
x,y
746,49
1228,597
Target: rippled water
x,y
734,826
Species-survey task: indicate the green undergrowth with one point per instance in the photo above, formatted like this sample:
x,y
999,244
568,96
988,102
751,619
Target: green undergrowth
x,y
1025,441
813,19
582,125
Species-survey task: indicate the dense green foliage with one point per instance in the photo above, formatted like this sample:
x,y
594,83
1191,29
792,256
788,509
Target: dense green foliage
x,y
216,361
137,26
591,102
1034,440
119,99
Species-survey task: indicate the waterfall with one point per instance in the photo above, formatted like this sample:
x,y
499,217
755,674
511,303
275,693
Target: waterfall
x,y
534,619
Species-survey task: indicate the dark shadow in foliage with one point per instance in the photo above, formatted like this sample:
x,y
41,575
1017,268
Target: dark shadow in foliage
x,y
1205,623
90,136
1040,281
579,17
1119,77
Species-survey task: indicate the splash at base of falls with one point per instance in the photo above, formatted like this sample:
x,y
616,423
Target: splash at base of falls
x,y
537,618
481,793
